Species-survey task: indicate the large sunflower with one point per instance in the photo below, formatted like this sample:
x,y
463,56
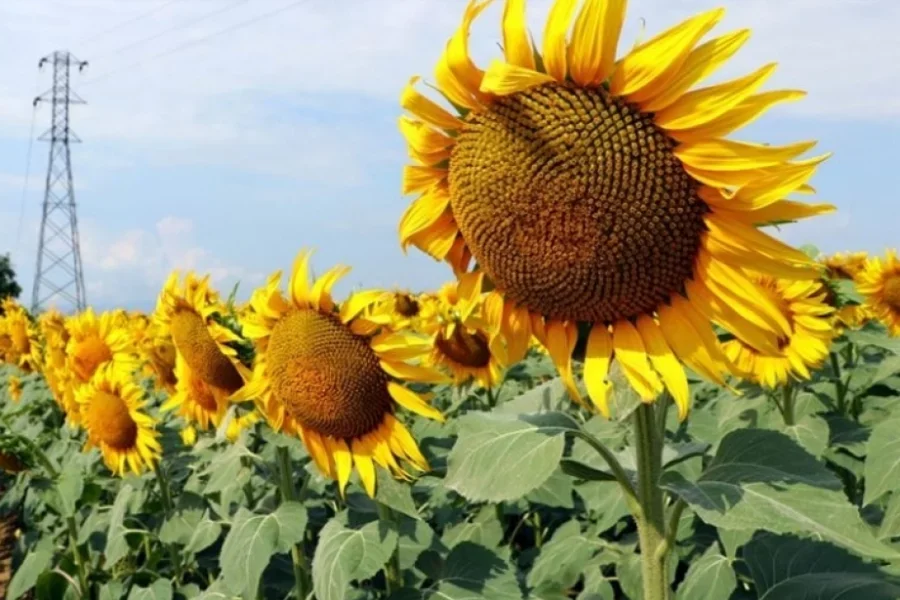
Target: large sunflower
x,y
18,337
197,402
880,284
52,329
192,315
328,376
598,190
111,411
804,306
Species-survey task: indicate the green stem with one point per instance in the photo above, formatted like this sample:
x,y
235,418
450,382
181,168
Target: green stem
x,y
787,403
838,383
166,493
392,575
631,498
302,583
674,520
492,399
79,560
651,522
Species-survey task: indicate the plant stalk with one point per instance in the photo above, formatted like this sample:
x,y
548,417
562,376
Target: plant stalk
x,y
79,560
302,583
787,403
840,390
393,577
166,493
651,522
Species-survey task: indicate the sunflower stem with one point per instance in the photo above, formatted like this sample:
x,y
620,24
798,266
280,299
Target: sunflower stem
x,y
651,521
393,577
787,403
79,560
631,498
838,383
302,583
166,493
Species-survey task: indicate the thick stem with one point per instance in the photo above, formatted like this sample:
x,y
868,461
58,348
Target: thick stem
x,y
787,403
79,560
652,520
302,583
392,575
631,498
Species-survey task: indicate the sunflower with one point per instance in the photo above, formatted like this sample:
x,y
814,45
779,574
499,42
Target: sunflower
x,y
192,315
845,266
14,388
18,337
328,376
198,403
404,310
462,343
52,329
158,352
111,407
880,284
239,423
603,192
804,306
95,344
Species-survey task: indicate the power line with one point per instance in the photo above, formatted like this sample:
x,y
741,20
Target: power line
x,y
190,43
125,23
164,32
27,175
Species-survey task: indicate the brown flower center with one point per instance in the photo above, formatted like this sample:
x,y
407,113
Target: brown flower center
x,y
200,352
109,421
892,291
89,354
327,378
406,305
465,348
574,204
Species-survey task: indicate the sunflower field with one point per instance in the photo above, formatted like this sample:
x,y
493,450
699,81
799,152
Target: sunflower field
x,y
629,388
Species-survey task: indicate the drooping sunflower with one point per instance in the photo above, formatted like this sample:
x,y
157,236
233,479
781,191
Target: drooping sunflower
x,y
880,284
239,423
603,191
20,345
804,306
845,266
158,352
330,376
14,388
198,403
462,343
96,343
192,315
111,407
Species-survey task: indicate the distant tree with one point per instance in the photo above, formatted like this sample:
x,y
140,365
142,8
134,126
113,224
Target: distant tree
x,y
8,285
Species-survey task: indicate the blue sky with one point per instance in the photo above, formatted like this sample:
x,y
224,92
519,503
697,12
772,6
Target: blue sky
x,y
230,155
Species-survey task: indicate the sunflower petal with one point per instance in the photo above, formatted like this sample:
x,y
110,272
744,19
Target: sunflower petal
x,y
320,296
358,302
362,458
731,155
516,45
408,372
742,114
458,60
632,357
561,339
665,363
696,347
426,109
343,460
299,283
412,401
595,38
504,79
555,31
423,212
596,367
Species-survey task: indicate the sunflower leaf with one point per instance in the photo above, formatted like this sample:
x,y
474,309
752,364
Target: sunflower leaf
x,y
709,578
345,555
882,466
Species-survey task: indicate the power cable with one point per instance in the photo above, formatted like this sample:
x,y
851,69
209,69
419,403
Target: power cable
x,y
37,87
125,23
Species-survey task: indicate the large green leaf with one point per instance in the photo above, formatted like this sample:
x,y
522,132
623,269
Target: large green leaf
x,y
161,589
711,577
470,572
253,540
116,544
882,467
562,559
345,555
37,561
501,457
762,480
790,568
483,529
867,338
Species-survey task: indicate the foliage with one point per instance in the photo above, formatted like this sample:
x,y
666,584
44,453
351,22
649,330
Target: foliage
x,y
8,286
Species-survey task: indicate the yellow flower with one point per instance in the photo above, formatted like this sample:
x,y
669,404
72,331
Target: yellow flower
x,y
462,343
18,337
853,316
189,435
197,402
804,306
239,423
880,284
190,315
158,353
52,329
598,189
14,388
404,310
328,376
111,406
845,266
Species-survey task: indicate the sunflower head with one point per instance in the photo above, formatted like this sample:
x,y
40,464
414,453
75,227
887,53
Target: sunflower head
x,y
330,375
601,189
18,337
811,330
14,388
403,310
879,283
158,353
845,266
197,402
193,315
111,407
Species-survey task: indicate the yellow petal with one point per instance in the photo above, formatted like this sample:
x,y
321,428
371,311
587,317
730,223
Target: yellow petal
x,y
504,79
437,239
700,63
423,212
458,60
596,366
555,31
343,460
561,339
403,444
421,137
407,372
595,38
319,452
320,296
697,348
655,61
412,401
665,363
516,45
426,109
516,331
780,211
362,457
730,155
703,106
417,178
632,357
766,190
299,283
720,311
742,114
359,301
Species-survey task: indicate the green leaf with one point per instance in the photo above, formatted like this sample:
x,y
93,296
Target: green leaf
x,y
561,560
762,480
345,555
709,578
473,572
549,396
596,586
882,466
484,529
503,457
204,535
810,432
555,492
397,496
605,501
116,544
890,523
416,536
790,568
579,470
253,540
161,589
732,540
112,590
70,486
867,338
37,560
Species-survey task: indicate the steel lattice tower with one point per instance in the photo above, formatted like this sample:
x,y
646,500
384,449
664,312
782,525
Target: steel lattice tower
x,y
58,272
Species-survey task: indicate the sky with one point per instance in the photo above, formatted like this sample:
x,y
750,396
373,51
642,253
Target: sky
x,y
227,153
